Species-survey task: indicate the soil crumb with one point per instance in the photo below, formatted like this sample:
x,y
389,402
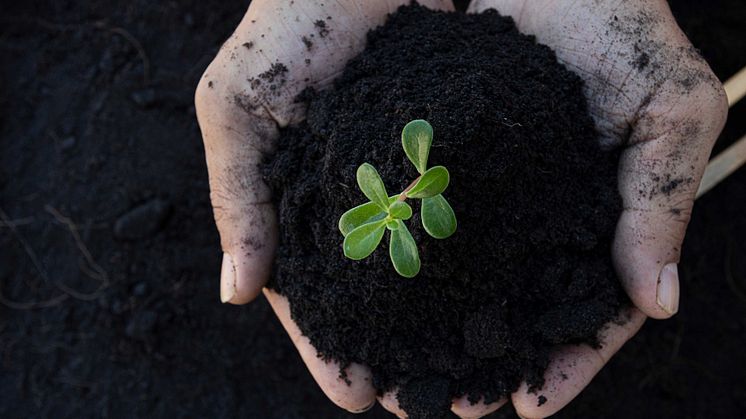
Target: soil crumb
x,y
535,196
322,28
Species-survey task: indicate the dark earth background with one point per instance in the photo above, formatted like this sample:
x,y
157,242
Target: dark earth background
x,y
109,258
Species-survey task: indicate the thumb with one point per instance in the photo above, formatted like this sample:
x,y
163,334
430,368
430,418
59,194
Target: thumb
x,y
659,174
235,143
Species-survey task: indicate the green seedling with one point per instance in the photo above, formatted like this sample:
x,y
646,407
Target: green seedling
x,y
363,227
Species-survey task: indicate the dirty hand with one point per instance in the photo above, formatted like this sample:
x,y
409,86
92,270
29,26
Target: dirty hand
x,y
651,93
648,92
246,94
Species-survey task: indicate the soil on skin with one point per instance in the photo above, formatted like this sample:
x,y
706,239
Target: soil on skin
x,y
535,196
157,343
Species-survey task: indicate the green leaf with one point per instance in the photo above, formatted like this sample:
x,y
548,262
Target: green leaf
x,y
400,210
438,217
403,252
431,183
392,225
416,138
372,186
363,240
361,214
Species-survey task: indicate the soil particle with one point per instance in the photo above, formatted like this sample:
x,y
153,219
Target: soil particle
x,y
307,42
671,186
536,200
542,400
248,45
142,221
276,71
321,27
642,61
275,76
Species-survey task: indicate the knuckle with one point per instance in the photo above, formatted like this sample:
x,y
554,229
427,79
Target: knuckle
x,y
712,100
205,96
719,102
221,205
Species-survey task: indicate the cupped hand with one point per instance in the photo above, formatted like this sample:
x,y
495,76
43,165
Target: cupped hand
x,y
246,94
651,93
648,92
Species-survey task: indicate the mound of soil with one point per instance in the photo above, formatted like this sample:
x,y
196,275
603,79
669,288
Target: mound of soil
x,y
535,196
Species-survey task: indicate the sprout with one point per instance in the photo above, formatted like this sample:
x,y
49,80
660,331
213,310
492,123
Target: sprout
x,y
363,227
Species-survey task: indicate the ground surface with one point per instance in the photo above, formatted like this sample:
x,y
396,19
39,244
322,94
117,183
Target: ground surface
x,y
90,129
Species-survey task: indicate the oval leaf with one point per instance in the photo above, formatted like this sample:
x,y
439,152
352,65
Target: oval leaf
x,y
403,252
438,217
392,225
431,183
416,138
361,214
372,186
362,241
400,210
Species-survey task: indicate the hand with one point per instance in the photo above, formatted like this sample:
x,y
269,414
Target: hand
x,y
651,93
668,121
246,94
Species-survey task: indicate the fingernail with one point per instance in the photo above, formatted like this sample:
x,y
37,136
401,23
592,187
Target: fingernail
x,y
227,279
668,289
365,409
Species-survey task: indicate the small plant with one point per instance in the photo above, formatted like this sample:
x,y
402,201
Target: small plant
x,y
363,226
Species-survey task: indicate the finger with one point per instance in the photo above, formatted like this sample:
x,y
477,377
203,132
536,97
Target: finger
x,y
357,396
464,409
659,174
572,368
235,143
461,407
389,402
672,134
505,7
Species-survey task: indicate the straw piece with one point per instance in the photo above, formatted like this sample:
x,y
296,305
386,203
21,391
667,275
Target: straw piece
x,y
723,165
735,87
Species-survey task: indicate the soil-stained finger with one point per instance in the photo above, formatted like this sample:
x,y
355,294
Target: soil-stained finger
x,y
463,408
571,369
356,395
389,402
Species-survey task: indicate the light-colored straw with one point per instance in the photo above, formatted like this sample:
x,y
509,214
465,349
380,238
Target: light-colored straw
x,y
728,161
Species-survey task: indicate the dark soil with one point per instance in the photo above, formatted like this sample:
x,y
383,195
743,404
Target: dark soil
x,y
535,196
82,130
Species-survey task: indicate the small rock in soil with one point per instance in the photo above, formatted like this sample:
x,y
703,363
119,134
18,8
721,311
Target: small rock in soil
x,y
142,221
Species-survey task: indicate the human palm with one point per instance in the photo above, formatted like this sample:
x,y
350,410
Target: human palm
x,y
647,90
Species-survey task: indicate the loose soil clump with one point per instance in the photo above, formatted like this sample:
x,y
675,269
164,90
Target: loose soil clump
x,y
535,196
